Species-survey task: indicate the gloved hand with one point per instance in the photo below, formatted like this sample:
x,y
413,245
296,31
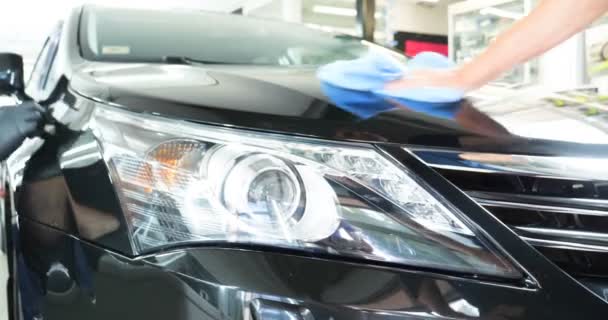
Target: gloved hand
x,y
16,124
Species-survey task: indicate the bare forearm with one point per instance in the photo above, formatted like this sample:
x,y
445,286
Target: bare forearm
x,y
552,22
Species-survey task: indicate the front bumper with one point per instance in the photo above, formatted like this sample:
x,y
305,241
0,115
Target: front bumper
x,y
62,277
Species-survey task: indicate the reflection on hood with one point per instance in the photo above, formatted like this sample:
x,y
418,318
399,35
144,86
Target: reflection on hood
x,y
367,105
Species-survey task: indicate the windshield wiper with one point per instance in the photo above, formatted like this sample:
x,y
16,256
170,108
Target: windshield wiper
x,y
189,61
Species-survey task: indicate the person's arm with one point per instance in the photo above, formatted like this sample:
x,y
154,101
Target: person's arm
x,y
550,23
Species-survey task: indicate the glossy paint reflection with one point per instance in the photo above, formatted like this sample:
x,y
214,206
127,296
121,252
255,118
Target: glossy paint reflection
x,y
365,105
64,277
217,284
75,280
67,202
556,167
59,192
292,101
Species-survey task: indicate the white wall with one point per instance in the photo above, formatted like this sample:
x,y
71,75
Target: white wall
x,y
406,15
563,67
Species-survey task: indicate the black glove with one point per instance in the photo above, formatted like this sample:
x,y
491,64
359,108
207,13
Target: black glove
x,y
16,124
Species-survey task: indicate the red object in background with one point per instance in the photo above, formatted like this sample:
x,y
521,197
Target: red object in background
x,y
413,47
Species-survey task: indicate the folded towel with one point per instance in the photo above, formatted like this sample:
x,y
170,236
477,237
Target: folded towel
x,y
363,104
368,73
358,85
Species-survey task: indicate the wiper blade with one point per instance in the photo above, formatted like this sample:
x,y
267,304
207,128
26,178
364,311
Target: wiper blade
x,y
189,61
346,37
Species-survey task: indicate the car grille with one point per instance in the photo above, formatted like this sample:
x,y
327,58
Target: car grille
x,y
558,205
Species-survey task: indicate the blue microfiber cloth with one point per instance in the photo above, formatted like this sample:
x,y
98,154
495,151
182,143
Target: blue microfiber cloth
x,y
444,110
358,85
368,73
362,103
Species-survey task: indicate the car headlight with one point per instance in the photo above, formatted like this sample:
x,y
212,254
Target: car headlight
x,y
182,183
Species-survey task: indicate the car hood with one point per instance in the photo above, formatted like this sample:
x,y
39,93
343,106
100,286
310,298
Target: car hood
x,y
291,100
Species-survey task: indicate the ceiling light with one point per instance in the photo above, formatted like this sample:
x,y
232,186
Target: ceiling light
x,y
338,11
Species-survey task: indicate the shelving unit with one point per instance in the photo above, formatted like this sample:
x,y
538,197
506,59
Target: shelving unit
x,y
596,48
474,24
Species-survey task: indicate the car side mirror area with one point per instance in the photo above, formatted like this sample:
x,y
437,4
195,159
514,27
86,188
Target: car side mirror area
x,y
11,75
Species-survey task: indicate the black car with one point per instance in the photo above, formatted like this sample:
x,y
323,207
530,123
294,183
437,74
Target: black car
x,y
198,170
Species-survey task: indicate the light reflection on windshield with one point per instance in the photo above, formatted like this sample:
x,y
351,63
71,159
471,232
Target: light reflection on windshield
x,y
134,35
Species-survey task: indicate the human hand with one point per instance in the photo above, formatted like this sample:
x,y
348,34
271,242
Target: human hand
x,y
16,124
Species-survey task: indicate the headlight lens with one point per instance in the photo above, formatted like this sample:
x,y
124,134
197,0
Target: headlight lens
x,y
180,183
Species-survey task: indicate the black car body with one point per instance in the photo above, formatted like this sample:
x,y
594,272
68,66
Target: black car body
x,y
74,243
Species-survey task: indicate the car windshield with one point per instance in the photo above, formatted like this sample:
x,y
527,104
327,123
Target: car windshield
x,y
133,35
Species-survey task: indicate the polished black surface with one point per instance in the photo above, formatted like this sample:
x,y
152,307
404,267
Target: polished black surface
x,y
72,279
65,206
72,258
290,100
